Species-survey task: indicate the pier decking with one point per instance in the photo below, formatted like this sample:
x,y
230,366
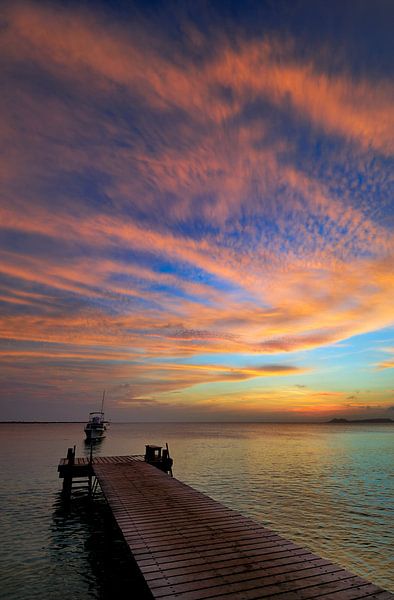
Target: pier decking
x,y
191,547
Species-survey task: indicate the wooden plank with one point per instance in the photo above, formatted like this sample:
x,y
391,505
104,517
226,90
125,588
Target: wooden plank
x,y
340,582
146,563
202,532
240,570
183,545
148,566
264,588
365,591
209,547
231,565
190,547
194,556
212,523
255,572
262,577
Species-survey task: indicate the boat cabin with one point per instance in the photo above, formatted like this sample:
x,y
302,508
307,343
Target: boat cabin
x,y
96,417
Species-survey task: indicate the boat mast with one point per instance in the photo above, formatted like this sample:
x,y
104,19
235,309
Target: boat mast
x,y
102,402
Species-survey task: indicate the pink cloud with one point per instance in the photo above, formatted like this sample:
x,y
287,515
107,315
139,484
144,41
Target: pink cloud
x,y
285,263
93,45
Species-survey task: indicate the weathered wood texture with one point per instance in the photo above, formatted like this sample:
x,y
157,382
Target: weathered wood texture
x,y
191,547
84,461
82,467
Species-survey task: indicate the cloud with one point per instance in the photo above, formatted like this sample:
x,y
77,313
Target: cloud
x,y
143,402
338,304
386,364
106,53
185,199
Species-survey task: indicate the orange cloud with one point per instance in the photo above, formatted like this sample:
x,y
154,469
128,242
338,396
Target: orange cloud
x,y
389,362
265,255
277,403
307,307
95,47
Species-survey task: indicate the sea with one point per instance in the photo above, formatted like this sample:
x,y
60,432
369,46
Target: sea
x,y
327,487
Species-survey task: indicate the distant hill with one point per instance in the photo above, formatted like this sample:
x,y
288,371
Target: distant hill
x,y
336,420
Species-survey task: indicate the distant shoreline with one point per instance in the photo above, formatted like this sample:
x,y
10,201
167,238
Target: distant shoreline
x,y
40,422
377,421
335,421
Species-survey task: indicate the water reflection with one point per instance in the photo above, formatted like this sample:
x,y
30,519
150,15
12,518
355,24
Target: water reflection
x,y
88,547
96,443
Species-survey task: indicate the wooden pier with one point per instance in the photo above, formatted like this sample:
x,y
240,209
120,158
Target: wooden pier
x,y
190,547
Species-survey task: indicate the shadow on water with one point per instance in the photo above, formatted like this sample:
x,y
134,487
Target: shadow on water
x,y
96,443
92,447
89,547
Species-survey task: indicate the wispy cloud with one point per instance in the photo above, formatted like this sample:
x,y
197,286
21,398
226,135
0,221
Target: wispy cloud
x,y
389,362
214,194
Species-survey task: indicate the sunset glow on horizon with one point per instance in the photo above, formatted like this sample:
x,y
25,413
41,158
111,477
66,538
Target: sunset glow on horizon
x,y
196,210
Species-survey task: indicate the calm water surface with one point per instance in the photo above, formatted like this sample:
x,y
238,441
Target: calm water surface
x,y
327,487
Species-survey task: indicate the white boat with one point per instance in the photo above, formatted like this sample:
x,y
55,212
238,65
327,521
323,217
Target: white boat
x,y
96,427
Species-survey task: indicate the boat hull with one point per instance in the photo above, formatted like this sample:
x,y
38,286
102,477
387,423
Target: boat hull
x,y
94,434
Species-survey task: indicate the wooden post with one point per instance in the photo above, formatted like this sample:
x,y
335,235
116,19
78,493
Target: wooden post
x,y
90,469
170,462
68,476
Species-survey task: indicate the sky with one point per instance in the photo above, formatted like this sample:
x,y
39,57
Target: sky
x,y
196,210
